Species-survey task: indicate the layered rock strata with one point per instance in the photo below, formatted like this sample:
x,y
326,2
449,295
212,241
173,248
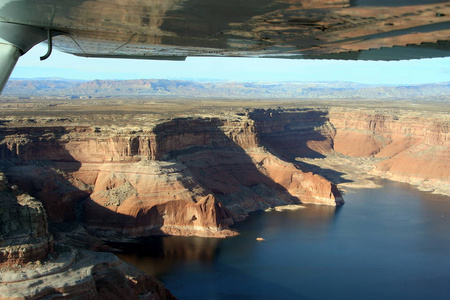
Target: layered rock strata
x,y
24,235
186,176
411,147
197,176
79,274
32,267
404,145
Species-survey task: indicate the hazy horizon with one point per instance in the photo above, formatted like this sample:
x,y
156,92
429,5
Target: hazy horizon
x,y
232,81
66,66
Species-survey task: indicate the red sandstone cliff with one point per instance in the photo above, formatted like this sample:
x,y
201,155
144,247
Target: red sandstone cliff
x,y
186,176
196,176
183,176
31,267
24,235
414,147
200,177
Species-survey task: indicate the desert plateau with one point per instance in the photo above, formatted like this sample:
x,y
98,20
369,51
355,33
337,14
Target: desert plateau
x,y
79,174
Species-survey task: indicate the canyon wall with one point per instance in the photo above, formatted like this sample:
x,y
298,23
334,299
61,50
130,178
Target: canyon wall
x,y
411,146
197,176
24,235
32,266
185,176
295,133
405,145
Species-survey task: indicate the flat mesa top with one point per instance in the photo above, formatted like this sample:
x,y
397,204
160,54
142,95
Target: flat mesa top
x,y
174,29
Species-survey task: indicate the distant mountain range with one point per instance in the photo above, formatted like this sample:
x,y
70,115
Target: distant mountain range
x,y
157,88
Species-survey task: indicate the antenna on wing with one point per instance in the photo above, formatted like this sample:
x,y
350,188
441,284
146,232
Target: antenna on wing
x,y
50,45
49,35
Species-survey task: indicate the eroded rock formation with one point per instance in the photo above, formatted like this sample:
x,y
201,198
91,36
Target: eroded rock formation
x,y
183,176
186,176
412,147
197,176
79,274
406,145
33,267
24,235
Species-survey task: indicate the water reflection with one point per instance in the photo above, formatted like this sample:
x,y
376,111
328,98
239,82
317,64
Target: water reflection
x,y
317,219
433,218
159,255
386,243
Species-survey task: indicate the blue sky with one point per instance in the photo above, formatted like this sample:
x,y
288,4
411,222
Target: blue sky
x,y
243,69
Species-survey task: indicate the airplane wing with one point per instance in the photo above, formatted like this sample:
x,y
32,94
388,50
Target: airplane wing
x,y
175,29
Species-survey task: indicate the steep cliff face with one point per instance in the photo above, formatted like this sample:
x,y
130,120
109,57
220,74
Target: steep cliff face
x,y
414,146
295,132
203,175
196,176
24,235
139,199
186,176
33,267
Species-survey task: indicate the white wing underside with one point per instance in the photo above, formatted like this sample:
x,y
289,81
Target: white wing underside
x,y
174,29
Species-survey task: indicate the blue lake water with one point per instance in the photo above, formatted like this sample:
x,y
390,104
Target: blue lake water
x,y
387,243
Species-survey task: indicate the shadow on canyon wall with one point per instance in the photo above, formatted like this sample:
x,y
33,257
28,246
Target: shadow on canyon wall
x,y
36,160
298,133
33,159
221,166
329,174
291,134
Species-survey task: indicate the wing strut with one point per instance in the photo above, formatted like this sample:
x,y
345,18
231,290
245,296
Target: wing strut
x,y
9,54
16,40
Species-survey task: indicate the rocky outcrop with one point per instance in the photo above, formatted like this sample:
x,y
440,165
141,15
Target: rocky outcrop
x,y
79,274
32,267
24,235
291,133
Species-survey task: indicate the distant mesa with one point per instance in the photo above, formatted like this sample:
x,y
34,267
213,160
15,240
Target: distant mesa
x,y
74,89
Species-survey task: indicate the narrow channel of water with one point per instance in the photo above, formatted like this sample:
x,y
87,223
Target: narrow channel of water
x,y
387,243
